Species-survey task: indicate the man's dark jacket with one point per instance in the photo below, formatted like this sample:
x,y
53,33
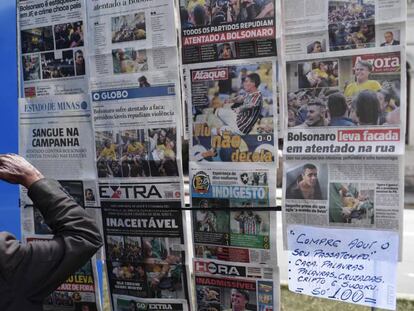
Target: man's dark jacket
x,y
30,272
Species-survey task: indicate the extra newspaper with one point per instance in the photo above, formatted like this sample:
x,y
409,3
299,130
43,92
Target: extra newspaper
x,y
144,242
51,46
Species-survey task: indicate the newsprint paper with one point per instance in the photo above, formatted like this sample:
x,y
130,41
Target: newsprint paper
x,y
52,47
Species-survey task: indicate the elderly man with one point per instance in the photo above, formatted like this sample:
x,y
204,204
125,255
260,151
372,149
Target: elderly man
x,y
30,272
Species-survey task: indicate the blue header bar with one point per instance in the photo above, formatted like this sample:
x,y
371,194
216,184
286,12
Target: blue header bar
x,y
142,92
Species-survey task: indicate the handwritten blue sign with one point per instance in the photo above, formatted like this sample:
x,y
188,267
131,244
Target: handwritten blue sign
x,y
355,266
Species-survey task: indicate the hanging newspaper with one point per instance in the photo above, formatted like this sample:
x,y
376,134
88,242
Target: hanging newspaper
x,y
132,43
136,132
216,30
80,291
144,241
242,234
127,303
231,286
233,112
346,105
55,136
51,47
344,191
328,26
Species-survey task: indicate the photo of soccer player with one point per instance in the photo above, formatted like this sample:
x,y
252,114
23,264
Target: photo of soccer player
x,y
210,220
351,24
235,299
358,91
37,40
351,204
54,67
128,60
69,35
237,106
128,28
31,67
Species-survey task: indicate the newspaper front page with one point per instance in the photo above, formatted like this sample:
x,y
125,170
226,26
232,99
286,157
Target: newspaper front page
x,y
55,136
52,47
80,291
219,30
241,234
222,286
144,241
320,27
346,104
347,191
132,43
233,113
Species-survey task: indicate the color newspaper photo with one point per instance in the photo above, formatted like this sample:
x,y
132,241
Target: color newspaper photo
x,y
361,90
351,204
128,28
307,182
148,264
137,153
351,24
196,13
69,35
37,39
56,66
233,109
31,67
128,60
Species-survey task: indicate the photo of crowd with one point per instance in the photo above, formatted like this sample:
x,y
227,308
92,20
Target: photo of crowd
x,y
37,40
128,28
355,97
69,35
198,13
148,261
351,203
31,67
129,60
351,24
137,153
54,68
